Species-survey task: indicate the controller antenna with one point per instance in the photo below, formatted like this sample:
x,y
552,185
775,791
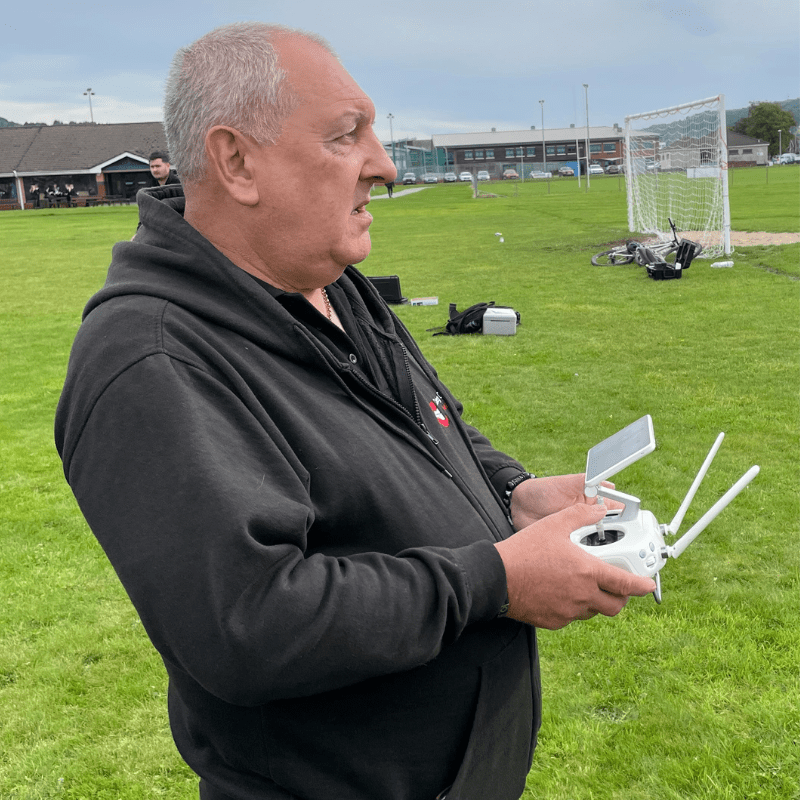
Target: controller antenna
x,y
678,518
712,512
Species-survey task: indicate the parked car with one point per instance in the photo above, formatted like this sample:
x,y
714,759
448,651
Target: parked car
x,y
465,176
566,172
510,174
450,177
788,158
539,175
409,177
613,169
483,175
596,169
430,178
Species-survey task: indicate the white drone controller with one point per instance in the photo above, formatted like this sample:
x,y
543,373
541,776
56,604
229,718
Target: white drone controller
x,y
632,538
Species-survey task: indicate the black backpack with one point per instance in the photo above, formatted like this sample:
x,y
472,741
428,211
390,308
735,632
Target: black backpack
x,y
468,321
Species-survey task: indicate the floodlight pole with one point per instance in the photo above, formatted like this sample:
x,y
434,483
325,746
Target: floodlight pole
x,y
89,92
780,145
588,179
544,163
390,117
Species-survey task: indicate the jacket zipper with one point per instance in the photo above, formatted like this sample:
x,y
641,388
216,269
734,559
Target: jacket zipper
x,y
417,412
415,417
433,451
439,456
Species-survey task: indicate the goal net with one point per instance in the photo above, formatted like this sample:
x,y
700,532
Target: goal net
x,y
676,167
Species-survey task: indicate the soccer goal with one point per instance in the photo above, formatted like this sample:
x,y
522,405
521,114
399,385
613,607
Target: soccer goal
x,y
676,167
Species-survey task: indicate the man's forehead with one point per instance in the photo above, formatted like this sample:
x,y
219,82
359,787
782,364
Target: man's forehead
x,y
314,71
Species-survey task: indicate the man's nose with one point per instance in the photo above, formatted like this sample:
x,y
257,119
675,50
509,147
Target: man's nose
x,y
378,167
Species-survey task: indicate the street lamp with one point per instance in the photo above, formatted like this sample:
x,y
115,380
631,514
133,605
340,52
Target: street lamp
x,y
390,117
586,90
780,145
89,92
544,163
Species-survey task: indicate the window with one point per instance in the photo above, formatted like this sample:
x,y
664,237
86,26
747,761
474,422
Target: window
x,y
490,154
479,154
531,152
519,152
595,148
571,148
745,152
550,149
468,155
561,149
734,152
609,147
509,152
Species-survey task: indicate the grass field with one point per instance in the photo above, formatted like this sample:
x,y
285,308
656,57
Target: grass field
x,y
696,698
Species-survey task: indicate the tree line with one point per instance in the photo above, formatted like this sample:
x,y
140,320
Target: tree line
x,y
763,122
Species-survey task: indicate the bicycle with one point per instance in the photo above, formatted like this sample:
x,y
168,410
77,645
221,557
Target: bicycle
x,y
643,254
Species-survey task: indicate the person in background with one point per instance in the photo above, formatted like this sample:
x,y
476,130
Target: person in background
x,y
342,576
161,170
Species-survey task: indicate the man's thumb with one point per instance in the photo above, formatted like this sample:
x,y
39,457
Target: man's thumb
x,y
580,514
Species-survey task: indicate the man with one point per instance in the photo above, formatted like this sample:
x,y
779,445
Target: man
x,y
160,169
319,547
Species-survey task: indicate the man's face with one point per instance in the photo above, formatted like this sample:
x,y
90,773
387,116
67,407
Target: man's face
x,y
159,169
314,182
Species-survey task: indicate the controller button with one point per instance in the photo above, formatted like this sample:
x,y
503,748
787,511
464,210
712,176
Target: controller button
x,y
642,553
650,561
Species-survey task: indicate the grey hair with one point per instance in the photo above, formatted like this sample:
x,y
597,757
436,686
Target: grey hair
x,y
230,76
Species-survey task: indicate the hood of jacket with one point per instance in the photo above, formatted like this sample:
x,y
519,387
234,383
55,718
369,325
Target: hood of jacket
x,y
170,260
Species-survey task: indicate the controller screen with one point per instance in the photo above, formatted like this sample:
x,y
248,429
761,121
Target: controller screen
x,y
623,448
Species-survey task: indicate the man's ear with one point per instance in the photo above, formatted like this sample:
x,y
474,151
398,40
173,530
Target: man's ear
x,y
229,155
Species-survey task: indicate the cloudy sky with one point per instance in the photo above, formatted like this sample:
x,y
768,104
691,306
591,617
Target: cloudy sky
x,y
443,66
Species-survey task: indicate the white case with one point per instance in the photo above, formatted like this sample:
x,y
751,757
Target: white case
x,y
500,321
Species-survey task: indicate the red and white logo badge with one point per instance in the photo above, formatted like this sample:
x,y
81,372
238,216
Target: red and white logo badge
x,y
438,406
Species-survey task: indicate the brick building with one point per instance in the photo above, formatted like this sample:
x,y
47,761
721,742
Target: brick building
x,y
496,151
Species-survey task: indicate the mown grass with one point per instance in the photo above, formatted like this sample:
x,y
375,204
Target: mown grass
x,y
696,698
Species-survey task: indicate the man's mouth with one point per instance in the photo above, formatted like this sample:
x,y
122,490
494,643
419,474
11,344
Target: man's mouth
x,y
359,209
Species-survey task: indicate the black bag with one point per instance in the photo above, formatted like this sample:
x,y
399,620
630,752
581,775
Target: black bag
x,y
468,321
659,270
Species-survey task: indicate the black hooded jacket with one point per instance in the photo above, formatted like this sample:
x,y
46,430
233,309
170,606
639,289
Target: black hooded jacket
x,y
307,534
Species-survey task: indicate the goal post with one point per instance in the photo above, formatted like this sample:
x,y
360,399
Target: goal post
x,y
676,167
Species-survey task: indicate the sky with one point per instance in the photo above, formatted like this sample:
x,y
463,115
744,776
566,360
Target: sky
x,y
443,66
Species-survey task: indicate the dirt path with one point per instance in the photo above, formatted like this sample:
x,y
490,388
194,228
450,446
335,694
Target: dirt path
x,y
748,239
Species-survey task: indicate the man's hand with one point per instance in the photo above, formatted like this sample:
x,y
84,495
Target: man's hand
x,y
552,582
537,498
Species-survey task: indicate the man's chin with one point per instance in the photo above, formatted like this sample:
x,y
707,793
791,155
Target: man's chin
x,y
355,253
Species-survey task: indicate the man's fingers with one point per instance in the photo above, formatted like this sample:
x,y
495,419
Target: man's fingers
x,y
610,579
610,604
619,582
